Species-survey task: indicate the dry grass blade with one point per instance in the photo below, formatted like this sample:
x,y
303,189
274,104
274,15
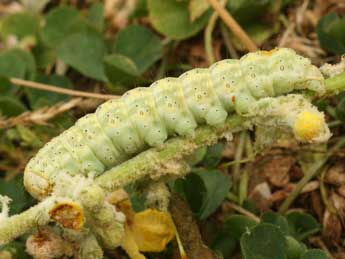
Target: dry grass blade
x,y
60,90
41,116
233,25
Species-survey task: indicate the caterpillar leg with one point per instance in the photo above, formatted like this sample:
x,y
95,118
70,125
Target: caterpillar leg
x,y
186,126
216,116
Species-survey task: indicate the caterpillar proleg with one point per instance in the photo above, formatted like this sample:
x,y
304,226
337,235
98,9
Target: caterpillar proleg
x,y
145,117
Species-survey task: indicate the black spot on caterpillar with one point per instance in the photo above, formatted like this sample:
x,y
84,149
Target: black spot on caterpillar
x,y
145,117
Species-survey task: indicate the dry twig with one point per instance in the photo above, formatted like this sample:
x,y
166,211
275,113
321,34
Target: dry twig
x,y
41,116
60,90
233,25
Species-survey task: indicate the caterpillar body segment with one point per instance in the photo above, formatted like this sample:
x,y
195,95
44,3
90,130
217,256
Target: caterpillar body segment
x,y
116,122
144,117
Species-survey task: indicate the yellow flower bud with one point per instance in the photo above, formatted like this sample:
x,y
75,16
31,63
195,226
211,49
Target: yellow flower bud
x,y
308,125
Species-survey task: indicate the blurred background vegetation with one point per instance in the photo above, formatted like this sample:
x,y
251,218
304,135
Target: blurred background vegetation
x,y
111,46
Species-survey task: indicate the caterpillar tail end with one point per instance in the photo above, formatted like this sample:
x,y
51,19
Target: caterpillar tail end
x,y
311,127
37,185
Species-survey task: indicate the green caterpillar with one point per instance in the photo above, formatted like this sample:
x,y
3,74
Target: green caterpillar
x,y
144,117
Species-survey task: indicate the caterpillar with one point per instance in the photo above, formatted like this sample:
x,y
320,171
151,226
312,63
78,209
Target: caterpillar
x,y
146,116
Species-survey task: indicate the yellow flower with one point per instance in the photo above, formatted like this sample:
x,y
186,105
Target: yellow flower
x,y
308,125
152,230
146,231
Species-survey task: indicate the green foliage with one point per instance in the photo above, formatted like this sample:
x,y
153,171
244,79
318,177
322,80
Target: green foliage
x,y
140,45
171,18
16,249
213,155
204,191
60,23
330,31
277,220
84,51
16,63
264,241
39,98
273,237
245,11
314,254
237,225
224,244
95,16
14,189
20,25
294,249
10,106
120,70
340,109
302,225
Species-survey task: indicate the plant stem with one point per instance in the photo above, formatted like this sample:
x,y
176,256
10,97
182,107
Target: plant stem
x,y
168,160
17,225
238,157
324,195
227,41
208,35
312,172
60,90
336,84
233,25
208,38
243,211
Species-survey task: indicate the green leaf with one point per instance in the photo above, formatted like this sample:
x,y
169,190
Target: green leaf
x,y
340,109
28,137
16,249
120,70
197,8
16,191
237,225
294,249
17,63
213,155
29,60
6,87
171,18
140,9
205,190
265,241
224,245
84,51
20,25
330,31
11,65
10,106
302,225
60,23
245,11
314,254
38,98
139,44
258,32
197,156
44,55
277,220
96,16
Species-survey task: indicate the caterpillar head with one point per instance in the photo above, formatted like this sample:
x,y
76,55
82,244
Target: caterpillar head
x,y
293,112
310,126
